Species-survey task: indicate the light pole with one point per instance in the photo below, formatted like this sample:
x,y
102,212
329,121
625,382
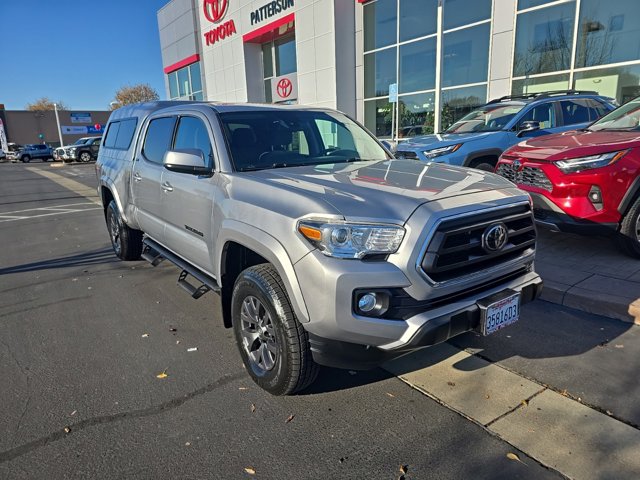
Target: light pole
x,y
55,109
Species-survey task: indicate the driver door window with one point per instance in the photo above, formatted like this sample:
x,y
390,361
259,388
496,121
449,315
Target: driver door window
x,y
545,114
193,134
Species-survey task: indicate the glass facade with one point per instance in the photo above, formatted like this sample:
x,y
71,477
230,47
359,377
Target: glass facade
x,y
278,58
401,46
186,83
589,45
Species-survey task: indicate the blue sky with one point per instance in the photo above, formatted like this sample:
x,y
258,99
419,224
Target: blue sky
x,y
79,52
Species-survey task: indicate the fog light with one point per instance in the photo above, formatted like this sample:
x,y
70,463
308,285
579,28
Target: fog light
x,y
367,302
595,197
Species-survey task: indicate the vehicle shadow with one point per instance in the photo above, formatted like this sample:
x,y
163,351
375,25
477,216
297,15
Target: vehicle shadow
x,y
101,256
334,379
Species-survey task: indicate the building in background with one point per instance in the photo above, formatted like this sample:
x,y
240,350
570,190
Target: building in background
x,y
445,56
26,126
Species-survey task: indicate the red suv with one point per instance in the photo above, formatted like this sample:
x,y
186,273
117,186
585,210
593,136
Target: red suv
x,y
584,180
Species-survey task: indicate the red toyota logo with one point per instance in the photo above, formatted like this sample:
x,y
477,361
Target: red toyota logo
x,y
214,10
284,87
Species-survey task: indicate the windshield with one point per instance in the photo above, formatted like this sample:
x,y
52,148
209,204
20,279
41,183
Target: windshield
x,y
626,117
489,118
81,141
279,138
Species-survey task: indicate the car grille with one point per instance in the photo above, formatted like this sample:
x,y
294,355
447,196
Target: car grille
x,y
456,248
404,154
529,176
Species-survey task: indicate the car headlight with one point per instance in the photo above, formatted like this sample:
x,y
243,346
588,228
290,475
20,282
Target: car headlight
x,y
436,152
72,150
579,164
348,240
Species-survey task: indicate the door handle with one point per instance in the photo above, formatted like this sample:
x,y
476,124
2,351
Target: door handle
x,y
166,186
136,177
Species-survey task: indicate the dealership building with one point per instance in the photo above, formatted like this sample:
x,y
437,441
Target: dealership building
x,y
434,59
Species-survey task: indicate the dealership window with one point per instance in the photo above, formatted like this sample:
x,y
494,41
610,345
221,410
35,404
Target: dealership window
x,y
186,83
606,52
278,58
400,46
608,32
544,40
457,102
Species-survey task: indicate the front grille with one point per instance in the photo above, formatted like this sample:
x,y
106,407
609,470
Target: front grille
x,y
529,176
456,248
404,154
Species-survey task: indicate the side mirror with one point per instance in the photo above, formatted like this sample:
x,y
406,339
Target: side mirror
x,y
186,160
528,127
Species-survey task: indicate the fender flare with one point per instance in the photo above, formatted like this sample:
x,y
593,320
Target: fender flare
x,y
489,152
629,197
106,182
269,248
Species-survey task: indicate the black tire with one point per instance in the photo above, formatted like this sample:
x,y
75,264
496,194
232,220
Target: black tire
x,y
85,157
293,368
25,159
484,164
126,241
629,235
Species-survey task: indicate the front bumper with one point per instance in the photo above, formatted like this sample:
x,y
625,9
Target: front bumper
x,y
435,329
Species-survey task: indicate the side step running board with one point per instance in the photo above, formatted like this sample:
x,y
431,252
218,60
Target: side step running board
x,y
155,253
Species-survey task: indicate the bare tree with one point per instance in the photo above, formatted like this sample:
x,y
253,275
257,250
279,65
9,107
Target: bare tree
x,y
142,92
44,104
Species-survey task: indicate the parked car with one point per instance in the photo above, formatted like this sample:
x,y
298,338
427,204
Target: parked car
x,y
84,149
587,180
34,151
479,138
324,248
3,156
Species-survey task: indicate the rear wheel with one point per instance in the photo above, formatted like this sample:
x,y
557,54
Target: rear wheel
x,y
273,345
25,159
126,241
629,235
85,157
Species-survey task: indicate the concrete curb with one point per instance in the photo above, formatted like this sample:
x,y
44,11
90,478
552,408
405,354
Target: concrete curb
x,y
609,305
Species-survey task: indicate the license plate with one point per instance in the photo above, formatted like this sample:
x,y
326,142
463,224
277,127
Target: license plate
x,y
499,311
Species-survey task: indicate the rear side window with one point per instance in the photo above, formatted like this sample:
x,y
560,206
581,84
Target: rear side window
x,y
575,111
158,138
125,133
120,133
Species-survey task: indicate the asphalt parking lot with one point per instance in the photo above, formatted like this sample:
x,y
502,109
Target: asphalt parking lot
x,y
85,336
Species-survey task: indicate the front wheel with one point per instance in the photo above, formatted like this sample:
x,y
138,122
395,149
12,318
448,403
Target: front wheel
x,y
85,157
629,235
126,241
273,345
26,159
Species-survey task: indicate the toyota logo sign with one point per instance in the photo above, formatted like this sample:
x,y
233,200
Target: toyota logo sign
x,y
214,10
284,88
495,237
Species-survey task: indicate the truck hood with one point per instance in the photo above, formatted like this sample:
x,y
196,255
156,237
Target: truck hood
x,y
574,144
440,140
390,190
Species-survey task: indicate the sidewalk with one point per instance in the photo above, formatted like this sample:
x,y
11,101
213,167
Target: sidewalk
x,y
587,273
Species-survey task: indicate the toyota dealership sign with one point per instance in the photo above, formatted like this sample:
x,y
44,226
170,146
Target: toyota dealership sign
x,y
284,88
215,11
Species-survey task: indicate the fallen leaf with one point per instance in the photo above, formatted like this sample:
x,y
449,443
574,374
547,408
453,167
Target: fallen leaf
x,y
187,444
289,418
564,393
253,408
242,388
451,384
163,374
404,469
391,395
250,470
609,412
145,335
524,403
513,456
619,346
67,430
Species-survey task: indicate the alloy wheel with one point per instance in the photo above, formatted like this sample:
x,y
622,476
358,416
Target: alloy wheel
x,y
114,231
258,335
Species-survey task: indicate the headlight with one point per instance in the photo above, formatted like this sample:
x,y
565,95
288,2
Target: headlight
x,y
346,240
72,150
436,152
587,163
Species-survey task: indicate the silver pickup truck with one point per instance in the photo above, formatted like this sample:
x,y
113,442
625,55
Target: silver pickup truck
x,y
324,248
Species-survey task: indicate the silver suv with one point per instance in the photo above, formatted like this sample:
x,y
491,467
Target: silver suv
x,y
324,248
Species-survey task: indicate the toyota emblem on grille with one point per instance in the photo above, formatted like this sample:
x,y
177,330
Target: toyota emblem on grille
x,y
517,164
495,237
